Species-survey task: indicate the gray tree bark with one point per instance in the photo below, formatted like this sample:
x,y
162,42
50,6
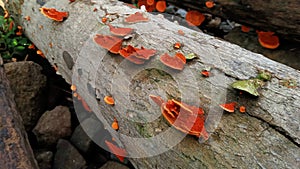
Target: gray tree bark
x,y
267,136
281,16
15,151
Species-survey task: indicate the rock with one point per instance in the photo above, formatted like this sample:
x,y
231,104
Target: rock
x,y
67,157
28,85
81,138
113,165
53,125
44,159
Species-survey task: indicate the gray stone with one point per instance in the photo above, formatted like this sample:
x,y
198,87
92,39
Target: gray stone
x,y
113,165
53,125
81,137
28,85
67,157
44,159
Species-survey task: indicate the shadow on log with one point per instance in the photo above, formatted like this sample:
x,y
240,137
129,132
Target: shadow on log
x,y
267,136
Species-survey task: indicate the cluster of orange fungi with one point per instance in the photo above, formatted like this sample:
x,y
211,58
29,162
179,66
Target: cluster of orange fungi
x,y
152,5
180,115
230,107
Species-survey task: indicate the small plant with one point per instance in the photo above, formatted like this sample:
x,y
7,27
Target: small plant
x,y
11,44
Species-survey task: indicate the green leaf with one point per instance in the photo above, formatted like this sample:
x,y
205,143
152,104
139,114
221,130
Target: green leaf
x,y
249,86
264,75
190,56
20,48
14,42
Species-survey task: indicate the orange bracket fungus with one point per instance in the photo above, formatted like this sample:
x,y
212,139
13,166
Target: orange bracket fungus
x,y
209,4
268,40
180,115
119,31
194,18
176,62
119,152
136,55
115,124
230,107
136,17
161,6
54,14
109,100
111,43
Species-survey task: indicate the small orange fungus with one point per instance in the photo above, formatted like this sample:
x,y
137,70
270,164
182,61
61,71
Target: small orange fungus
x,y
119,31
245,28
136,17
177,45
54,14
119,152
180,32
172,62
85,105
209,4
205,73
268,39
31,46
115,124
104,19
39,52
109,100
180,56
230,107
242,109
73,87
161,6
194,18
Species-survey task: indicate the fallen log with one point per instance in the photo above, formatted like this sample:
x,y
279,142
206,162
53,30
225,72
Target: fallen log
x,y
279,16
267,136
15,151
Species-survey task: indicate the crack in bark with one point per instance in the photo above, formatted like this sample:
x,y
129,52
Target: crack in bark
x,y
280,130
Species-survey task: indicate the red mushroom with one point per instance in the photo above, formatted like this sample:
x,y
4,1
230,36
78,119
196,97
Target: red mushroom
x,y
111,43
119,31
136,17
54,14
173,62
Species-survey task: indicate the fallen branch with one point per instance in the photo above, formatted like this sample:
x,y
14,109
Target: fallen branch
x,y
267,136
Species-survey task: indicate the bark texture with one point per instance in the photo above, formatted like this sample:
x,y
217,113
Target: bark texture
x,y
281,16
266,137
15,151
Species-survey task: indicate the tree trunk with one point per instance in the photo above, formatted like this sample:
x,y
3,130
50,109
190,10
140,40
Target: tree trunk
x,y
15,152
281,16
267,136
